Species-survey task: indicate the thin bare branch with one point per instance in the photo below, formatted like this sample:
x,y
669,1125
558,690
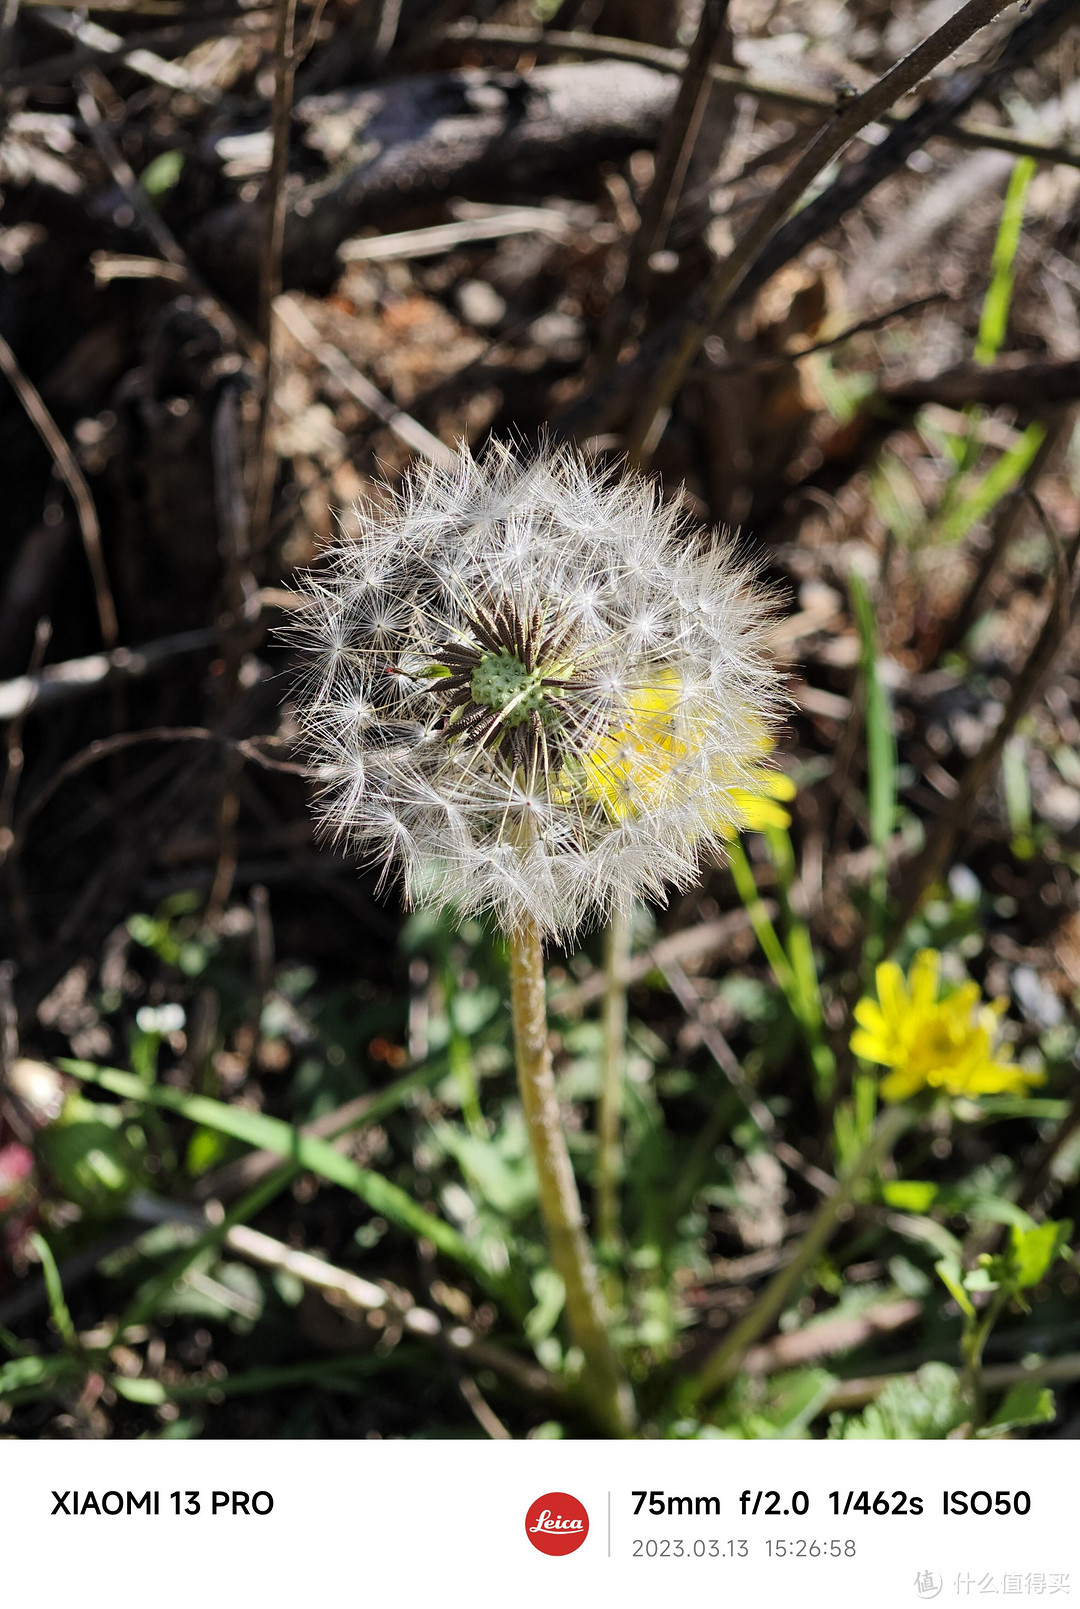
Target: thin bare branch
x,y
737,81
850,119
270,264
334,361
67,468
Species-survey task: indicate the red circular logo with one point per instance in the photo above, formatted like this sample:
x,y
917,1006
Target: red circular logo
x,y
557,1523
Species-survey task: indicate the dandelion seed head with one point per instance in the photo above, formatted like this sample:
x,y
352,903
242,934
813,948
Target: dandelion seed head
x,y
533,689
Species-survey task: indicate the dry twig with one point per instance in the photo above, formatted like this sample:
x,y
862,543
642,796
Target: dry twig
x,y
73,478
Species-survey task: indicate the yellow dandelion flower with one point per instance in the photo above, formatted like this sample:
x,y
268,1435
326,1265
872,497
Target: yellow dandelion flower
x,y
645,754
935,1044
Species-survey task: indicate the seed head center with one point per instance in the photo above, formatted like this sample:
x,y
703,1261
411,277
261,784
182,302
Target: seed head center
x,y
501,682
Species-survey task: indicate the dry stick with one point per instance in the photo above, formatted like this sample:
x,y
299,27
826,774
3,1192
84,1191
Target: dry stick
x,y
768,363
366,1297
8,17
14,746
928,867
73,478
688,943
725,1361
74,678
105,747
672,161
718,1048
145,62
736,80
357,1293
334,361
826,145
856,180
603,1384
175,38
270,266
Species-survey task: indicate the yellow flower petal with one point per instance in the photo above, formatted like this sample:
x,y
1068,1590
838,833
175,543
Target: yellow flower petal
x,y
872,1047
923,977
892,991
758,811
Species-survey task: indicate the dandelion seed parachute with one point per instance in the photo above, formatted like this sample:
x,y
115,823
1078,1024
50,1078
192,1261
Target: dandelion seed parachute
x,y
534,689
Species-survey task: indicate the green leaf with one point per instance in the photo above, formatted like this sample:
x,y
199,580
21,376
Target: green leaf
x,y
507,1182
921,1407
205,1150
1027,1403
909,1195
160,175
550,1293
797,1398
1033,1250
35,1375
92,1154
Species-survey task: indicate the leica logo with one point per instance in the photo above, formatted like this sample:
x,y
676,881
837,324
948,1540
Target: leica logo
x,y
557,1523
546,1521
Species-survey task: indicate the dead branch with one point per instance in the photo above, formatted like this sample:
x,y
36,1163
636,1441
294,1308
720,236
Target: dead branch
x,y
73,478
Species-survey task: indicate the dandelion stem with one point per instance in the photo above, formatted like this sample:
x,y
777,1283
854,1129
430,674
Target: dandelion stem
x,y
603,1382
725,1361
609,1113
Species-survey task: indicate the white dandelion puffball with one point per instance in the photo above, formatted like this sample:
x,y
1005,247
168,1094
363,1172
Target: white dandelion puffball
x,y
534,689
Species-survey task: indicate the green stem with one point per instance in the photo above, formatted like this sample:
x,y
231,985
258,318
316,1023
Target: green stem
x,y
609,1112
973,1345
603,1382
725,1361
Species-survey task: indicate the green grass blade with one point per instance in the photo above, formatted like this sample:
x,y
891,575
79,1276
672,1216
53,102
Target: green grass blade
x,y
995,309
880,763
800,952
1004,473
55,1292
303,1150
795,972
328,1374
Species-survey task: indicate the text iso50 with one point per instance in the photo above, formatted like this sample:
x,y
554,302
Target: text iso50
x,y
985,1503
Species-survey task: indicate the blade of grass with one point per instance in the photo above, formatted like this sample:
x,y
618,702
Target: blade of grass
x,y
994,320
958,513
328,1374
800,950
880,766
1003,475
1014,775
55,1291
799,990
304,1151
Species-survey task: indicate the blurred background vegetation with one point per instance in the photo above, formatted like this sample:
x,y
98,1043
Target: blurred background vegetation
x,y
263,1168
